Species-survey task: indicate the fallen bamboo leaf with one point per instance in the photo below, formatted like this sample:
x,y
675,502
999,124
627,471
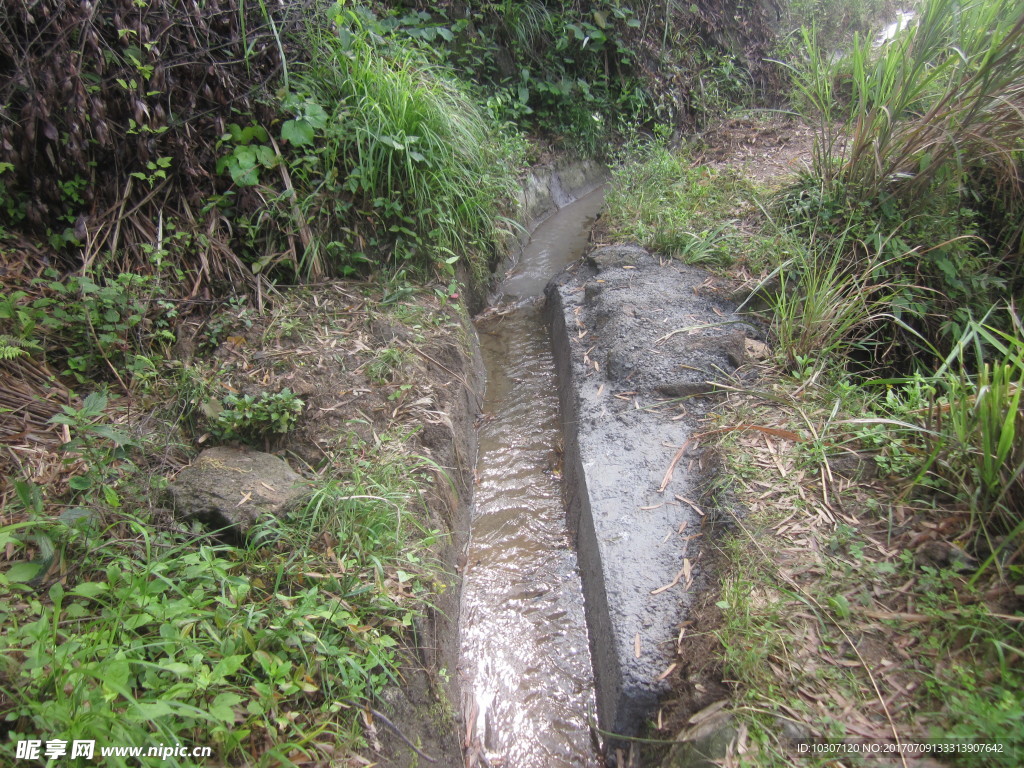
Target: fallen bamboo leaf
x,y
672,583
672,466
668,671
636,645
773,431
687,501
693,329
888,616
708,711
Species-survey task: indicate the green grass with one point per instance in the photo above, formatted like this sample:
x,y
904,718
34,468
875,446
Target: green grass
x,y
662,200
155,635
408,145
824,618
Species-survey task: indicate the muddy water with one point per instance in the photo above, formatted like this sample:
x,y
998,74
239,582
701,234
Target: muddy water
x,y
525,653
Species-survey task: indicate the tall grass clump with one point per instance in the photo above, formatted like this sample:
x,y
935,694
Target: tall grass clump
x,y
383,159
420,153
823,307
921,148
982,424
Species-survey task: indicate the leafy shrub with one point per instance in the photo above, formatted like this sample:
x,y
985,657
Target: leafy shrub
x,y
94,327
383,159
249,417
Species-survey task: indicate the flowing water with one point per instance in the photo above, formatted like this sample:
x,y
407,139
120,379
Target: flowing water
x,y
525,653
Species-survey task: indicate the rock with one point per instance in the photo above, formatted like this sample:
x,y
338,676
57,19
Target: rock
x,y
756,351
758,297
228,489
619,364
704,744
684,388
385,334
944,554
793,732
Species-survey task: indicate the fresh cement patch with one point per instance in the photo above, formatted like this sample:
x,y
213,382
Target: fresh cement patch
x,y
639,344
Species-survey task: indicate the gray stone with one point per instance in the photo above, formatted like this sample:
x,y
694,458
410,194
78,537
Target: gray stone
x,y
854,466
685,388
793,732
228,489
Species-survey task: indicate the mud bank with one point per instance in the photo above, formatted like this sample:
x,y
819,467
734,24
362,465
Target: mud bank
x,y
638,344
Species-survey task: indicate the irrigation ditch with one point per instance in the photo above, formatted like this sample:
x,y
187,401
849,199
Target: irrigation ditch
x,y
584,548
569,486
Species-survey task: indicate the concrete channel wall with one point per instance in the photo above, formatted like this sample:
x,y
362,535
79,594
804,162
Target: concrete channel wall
x,y
638,343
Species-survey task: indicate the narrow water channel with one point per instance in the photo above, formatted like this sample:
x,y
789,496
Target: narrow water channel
x,y
525,652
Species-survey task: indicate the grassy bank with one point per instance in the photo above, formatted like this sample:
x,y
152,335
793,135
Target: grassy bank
x,y
155,205
870,532
127,625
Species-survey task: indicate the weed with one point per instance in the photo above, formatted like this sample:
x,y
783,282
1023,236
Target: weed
x,y
151,635
823,305
375,135
250,417
386,365
982,446
931,130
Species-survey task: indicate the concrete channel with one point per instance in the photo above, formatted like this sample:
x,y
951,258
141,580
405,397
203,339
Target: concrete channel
x,y
527,673
585,551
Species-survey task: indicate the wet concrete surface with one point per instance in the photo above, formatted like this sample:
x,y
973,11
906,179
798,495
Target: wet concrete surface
x,y
525,661
639,343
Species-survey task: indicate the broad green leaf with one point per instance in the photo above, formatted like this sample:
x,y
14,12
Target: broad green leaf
x,y
297,132
176,668
118,438
222,707
23,572
80,483
90,589
94,404
71,516
228,666
137,620
314,114
150,710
